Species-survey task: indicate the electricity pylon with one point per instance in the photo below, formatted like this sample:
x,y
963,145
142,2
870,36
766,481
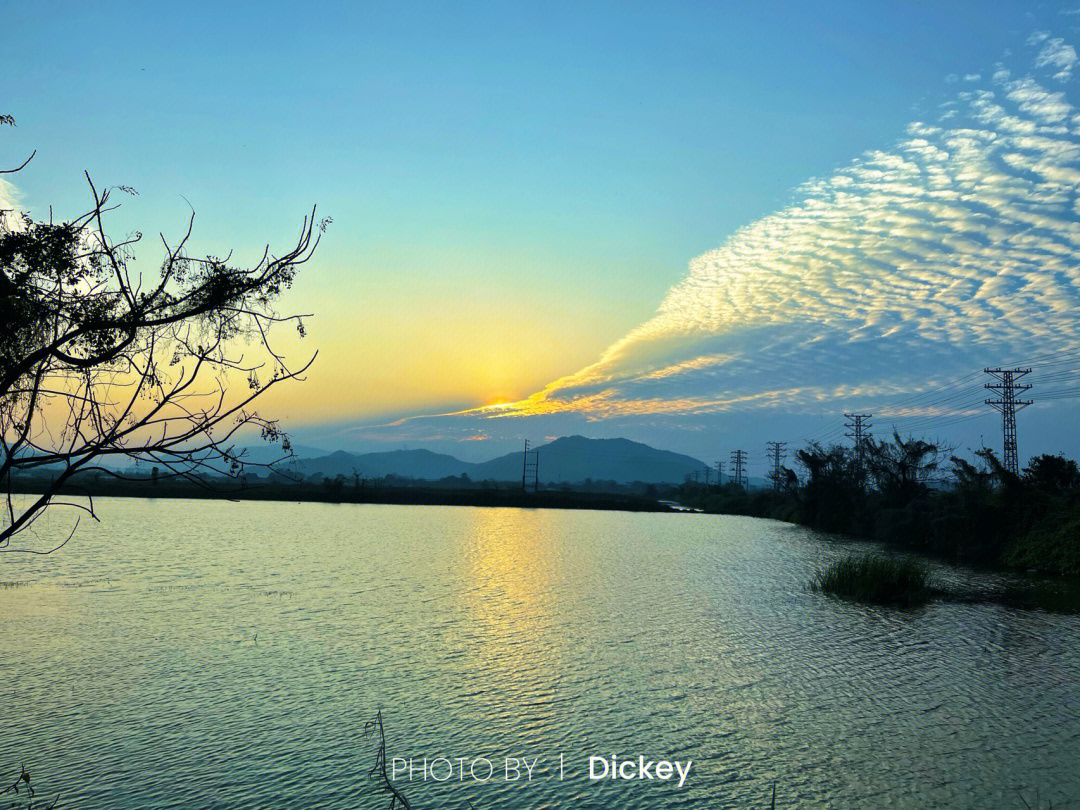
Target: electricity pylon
x,y
777,453
860,433
530,468
738,464
1007,388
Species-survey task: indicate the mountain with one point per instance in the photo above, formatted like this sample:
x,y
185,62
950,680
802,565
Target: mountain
x,y
575,458
255,454
269,453
406,463
572,458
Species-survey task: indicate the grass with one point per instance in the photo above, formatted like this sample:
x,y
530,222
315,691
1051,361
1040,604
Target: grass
x,y
876,579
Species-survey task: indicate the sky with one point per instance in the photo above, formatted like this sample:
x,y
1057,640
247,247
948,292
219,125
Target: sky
x,y
702,226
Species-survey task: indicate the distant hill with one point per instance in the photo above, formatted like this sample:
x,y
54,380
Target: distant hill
x,y
575,458
269,453
572,458
405,463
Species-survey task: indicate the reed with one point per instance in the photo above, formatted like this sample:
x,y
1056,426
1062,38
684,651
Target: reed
x,y
875,579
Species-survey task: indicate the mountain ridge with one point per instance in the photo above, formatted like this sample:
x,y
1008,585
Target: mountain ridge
x,y
569,458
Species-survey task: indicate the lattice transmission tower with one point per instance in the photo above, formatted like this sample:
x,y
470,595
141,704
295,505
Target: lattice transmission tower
x,y
530,468
738,464
777,452
1007,388
859,428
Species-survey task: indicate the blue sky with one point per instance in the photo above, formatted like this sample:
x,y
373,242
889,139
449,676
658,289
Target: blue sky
x,y
517,187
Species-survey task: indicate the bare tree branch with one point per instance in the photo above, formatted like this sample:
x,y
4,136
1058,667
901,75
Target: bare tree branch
x,y
97,366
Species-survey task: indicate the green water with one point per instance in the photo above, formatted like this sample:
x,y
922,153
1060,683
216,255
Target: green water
x,y
213,654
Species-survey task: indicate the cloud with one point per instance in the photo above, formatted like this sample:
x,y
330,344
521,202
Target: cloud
x,y
1057,56
954,248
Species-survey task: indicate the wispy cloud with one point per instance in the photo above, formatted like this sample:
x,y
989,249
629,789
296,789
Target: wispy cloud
x,y
1057,56
954,247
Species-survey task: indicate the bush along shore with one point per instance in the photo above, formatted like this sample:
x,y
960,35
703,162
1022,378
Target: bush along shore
x,y
912,495
876,579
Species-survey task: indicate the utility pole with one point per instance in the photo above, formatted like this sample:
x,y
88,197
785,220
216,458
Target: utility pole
x,y
860,433
719,473
738,463
707,471
524,464
1007,388
777,452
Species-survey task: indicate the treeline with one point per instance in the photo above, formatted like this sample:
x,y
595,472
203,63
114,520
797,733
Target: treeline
x,y
391,490
356,481
912,494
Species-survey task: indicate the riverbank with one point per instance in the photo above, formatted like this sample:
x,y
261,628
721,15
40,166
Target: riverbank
x,y
1014,527
507,495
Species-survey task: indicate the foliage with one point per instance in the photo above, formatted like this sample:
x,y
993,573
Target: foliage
x,y
102,361
875,579
904,493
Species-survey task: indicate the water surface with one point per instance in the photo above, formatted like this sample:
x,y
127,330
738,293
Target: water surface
x,y
214,654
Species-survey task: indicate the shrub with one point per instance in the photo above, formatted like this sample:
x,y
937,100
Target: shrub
x,y
875,579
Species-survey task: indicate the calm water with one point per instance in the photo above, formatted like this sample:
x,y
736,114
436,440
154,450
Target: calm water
x,y
208,654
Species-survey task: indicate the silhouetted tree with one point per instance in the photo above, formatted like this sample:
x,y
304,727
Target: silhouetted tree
x,y
100,362
901,468
833,491
1054,475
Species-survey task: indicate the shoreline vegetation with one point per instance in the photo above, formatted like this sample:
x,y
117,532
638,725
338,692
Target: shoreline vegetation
x,y
907,495
337,491
876,579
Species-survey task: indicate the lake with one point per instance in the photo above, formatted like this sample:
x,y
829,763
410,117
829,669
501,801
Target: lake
x,y
215,654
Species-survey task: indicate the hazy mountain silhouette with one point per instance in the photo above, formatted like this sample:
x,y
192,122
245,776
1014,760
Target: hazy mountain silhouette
x,y
269,453
571,458
575,458
405,463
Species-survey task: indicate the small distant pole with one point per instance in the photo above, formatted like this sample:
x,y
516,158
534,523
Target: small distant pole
x,y
524,464
719,473
1007,388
